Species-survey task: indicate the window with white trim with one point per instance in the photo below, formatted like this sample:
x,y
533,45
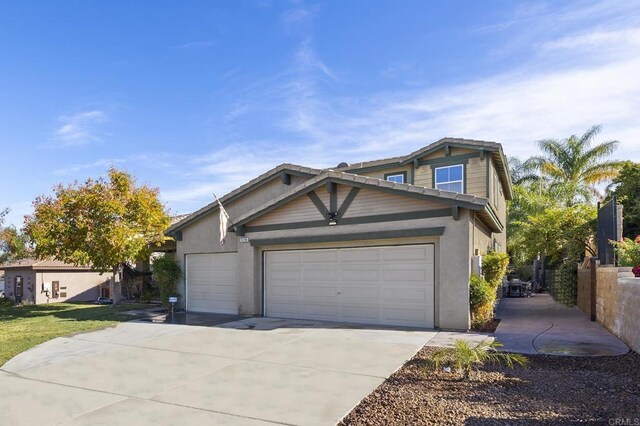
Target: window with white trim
x,y
450,178
396,177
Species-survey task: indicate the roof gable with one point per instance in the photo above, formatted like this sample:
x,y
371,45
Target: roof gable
x,y
493,148
285,168
448,199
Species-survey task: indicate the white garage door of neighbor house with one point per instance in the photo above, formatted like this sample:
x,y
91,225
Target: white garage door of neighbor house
x,y
390,285
212,282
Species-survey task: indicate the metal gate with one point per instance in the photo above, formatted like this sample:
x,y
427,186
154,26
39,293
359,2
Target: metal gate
x,y
607,231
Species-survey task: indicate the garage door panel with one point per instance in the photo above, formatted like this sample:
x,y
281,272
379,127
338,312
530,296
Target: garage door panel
x,y
327,292
321,311
212,282
313,274
284,292
370,274
391,285
405,253
284,257
313,256
360,292
406,294
394,276
361,255
281,274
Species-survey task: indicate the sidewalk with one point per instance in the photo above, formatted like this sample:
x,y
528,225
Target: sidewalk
x,y
540,325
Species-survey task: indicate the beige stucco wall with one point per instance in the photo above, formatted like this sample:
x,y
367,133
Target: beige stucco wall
x,y
29,287
452,260
79,286
202,236
617,301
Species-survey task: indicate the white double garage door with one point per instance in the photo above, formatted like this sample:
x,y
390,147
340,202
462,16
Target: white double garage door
x,y
387,285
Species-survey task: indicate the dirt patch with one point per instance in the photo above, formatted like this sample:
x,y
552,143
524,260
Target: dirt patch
x,y
552,390
487,327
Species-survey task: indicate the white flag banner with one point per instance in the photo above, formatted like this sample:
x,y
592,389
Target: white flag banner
x,y
224,220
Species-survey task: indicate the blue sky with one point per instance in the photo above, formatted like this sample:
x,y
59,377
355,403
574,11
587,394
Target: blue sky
x,y
196,97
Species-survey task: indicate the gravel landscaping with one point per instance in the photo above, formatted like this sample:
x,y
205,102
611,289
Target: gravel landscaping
x,y
552,390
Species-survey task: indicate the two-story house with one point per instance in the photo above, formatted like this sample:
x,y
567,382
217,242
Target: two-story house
x,y
387,242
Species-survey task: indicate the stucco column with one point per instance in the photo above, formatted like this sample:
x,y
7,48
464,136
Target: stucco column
x,y
248,261
455,268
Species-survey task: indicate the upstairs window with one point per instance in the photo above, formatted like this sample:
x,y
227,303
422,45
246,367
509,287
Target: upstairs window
x,y
398,177
450,178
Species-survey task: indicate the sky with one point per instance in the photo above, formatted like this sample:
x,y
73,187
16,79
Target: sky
x,y
196,97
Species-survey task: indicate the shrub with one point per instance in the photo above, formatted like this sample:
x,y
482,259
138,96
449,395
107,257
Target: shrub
x,y
481,299
564,283
494,267
5,302
464,357
628,251
166,273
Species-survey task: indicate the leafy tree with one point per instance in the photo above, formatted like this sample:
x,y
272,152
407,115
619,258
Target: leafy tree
x,y
528,201
626,186
557,232
102,223
13,243
573,167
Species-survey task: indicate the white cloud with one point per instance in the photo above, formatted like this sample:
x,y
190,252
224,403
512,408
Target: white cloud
x,y
102,164
608,39
79,129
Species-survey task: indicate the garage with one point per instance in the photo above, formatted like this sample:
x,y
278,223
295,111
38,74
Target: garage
x,y
387,285
212,282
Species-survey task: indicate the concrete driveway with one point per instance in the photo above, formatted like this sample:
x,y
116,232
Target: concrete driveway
x,y
253,371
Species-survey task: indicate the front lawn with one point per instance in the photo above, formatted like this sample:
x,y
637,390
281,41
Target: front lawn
x,y
23,327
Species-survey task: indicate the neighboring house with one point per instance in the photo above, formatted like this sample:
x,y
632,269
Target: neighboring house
x,y
1,284
386,242
47,281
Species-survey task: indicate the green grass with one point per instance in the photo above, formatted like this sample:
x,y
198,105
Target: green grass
x,y
23,327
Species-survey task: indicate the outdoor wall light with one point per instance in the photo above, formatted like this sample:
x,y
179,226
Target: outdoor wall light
x,y
332,218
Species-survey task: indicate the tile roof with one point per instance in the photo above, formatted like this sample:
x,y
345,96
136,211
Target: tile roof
x,y
42,265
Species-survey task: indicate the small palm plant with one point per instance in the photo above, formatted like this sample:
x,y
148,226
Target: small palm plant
x,y
465,357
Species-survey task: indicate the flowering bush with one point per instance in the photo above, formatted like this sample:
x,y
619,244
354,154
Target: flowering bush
x,y
628,252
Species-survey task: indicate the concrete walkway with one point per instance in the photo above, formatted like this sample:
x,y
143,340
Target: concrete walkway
x,y
540,325
255,371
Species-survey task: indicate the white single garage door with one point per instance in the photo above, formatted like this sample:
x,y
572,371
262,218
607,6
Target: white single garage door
x,y
390,285
212,282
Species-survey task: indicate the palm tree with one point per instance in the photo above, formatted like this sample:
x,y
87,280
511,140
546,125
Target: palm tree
x,y
572,168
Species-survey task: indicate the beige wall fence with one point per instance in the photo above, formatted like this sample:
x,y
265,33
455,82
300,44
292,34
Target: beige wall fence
x,y
611,296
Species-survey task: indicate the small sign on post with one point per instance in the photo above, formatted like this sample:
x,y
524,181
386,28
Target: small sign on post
x,y
173,300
